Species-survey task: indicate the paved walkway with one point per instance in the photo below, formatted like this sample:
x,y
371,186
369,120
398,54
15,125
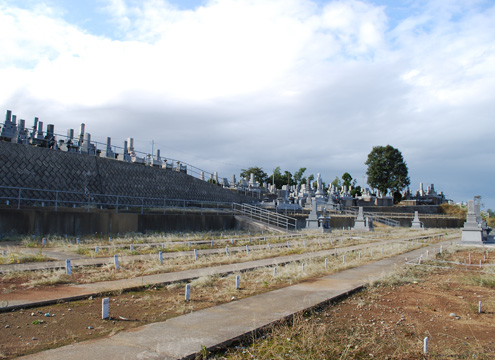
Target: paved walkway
x,y
184,336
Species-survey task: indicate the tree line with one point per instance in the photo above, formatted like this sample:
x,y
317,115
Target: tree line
x,y
387,171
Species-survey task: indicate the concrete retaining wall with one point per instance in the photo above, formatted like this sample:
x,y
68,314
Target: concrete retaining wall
x,y
74,223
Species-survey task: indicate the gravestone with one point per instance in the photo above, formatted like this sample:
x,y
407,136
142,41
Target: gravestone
x,y
105,311
68,269
362,224
416,224
312,220
475,230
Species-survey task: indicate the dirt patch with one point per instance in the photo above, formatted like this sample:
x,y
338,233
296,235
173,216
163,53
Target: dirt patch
x,y
31,330
391,320
386,321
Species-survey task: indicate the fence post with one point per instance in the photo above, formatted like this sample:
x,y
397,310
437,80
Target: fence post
x,y
89,199
117,205
56,201
184,208
142,205
164,205
19,201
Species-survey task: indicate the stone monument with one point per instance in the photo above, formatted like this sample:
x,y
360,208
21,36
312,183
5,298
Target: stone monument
x,y
475,230
312,220
361,224
416,224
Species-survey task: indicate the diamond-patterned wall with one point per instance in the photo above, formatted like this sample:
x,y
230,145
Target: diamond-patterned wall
x,y
41,168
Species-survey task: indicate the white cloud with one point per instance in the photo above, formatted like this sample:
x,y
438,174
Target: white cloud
x,y
254,82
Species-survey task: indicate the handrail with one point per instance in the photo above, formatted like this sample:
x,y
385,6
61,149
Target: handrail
x,y
265,216
24,197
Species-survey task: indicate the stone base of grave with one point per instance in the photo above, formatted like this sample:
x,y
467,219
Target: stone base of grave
x,y
312,224
472,236
416,225
361,225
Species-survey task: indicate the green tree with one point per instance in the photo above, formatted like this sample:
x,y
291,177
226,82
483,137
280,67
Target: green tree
x,y
298,175
346,180
387,170
259,175
287,178
337,183
356,191
277,176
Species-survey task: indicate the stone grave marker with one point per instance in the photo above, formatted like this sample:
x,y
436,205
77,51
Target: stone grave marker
x,y
105,308
68,269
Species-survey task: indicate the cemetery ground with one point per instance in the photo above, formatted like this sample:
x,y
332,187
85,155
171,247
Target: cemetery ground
x,y
389,318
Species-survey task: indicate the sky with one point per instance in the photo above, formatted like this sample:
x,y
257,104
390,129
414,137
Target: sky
x,y
225,85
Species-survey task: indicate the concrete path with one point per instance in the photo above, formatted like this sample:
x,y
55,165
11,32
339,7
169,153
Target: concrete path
x,y
184,336
74,292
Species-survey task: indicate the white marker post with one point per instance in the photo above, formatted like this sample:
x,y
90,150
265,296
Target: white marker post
x,y
188,292
195,254
319,242
343,259
160,256
326,263
237,281
287,244
227,251
68,269
302,267
96,249
77,241
131,248
105,308
425,346
247,249
275,271
43,242
269,247
116,261
479,307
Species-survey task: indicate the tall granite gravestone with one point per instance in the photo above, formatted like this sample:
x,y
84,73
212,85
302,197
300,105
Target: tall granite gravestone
x,y
475,230
416,224
362,224
312,220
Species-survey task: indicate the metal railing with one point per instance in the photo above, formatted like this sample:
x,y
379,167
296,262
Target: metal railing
x,y
374,216
19,197
265,216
